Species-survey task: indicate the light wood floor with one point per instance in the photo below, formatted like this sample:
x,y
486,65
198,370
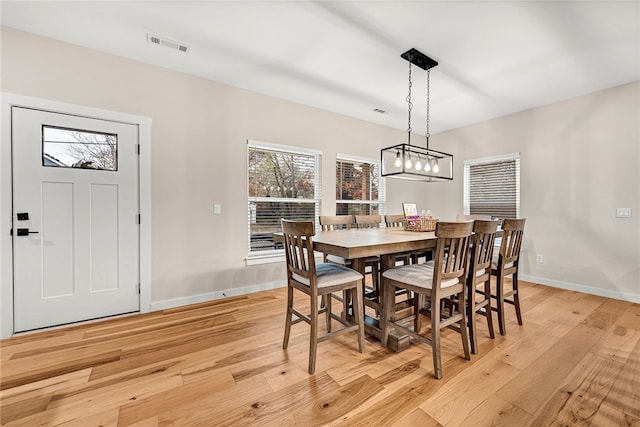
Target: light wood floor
x,y
576,361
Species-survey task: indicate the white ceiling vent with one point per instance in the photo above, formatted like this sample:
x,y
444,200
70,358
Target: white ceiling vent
x,y
167,43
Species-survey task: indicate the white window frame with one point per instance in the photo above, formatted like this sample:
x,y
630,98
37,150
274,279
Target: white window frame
x,y
382,183
484,160
277,255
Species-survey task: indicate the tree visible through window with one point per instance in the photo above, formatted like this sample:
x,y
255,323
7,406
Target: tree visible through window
x,y
77,148
492,186
359,188
282,184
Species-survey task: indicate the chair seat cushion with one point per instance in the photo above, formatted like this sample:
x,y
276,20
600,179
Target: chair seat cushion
x,y
330,275
419,275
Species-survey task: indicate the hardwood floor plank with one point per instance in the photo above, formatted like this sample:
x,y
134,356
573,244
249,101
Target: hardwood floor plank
x,y
103,419
494,411
535,383
577,401
625,392
452,404
291,406
23,371
25,407
609,416
417,418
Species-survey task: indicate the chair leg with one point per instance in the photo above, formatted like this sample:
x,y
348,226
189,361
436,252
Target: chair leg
x,y
500,304
418,302
471,316
358,312
516,297
375,276
326,299
313,341
387,309
488,309
463,325
287,324
435,339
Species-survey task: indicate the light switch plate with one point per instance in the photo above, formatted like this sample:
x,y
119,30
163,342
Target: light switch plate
x,y
217,209
623,213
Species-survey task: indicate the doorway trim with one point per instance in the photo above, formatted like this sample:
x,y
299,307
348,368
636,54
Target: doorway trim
x,y
9,100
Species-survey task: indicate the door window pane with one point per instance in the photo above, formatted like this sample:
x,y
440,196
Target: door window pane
x,y
77,148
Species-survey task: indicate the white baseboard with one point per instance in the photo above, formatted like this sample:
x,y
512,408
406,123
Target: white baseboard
x,y
581,288
195,299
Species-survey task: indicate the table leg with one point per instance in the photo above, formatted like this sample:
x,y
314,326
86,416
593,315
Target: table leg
x,y
397,341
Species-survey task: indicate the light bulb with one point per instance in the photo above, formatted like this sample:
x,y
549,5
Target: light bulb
x,y
427,165
436,168
398,161
418,164
408,163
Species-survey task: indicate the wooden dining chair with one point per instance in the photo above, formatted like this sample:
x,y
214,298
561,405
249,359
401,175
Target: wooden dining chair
x,y
460,217
394,221
368,221
371,221
436,281
505,263
336,222
317,281
397,221
479,278
343,222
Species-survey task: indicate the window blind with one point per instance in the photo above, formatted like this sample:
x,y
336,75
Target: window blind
x,y
492,187
283,182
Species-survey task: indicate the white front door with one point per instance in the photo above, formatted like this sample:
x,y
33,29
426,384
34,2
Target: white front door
x,y
75,218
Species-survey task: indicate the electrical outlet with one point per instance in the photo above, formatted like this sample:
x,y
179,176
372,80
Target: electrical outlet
x,y
623,213
217,209
539,258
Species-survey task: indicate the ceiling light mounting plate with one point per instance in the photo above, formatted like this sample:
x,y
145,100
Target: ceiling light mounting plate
x,y
419,59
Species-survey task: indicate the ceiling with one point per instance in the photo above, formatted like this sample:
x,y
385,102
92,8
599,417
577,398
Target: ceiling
x,y
495,58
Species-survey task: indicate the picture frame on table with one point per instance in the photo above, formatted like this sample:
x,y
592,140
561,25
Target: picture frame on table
x,y
410,210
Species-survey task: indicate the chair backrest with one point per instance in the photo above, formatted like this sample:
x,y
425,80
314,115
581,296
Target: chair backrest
x,y
512,232
452,249
298,249
336,222
394,220
460,217
483,241
368,221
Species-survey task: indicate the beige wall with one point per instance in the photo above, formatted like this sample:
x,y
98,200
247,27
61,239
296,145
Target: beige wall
x,y
199,138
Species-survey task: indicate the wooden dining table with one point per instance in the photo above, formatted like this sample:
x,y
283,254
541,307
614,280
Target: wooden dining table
x,y
357,245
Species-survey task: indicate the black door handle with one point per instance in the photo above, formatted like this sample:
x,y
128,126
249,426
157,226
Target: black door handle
x,y
25,232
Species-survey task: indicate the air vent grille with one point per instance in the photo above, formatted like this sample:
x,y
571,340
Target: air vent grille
x,y
167,43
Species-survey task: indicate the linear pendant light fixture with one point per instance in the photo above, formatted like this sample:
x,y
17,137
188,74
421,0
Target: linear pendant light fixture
x,y
413,162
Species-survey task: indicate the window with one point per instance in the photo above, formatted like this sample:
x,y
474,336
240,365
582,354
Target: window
x,y
359,188
76,148
492,186
284,182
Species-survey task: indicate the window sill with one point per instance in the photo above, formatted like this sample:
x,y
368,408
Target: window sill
x,y
264,257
